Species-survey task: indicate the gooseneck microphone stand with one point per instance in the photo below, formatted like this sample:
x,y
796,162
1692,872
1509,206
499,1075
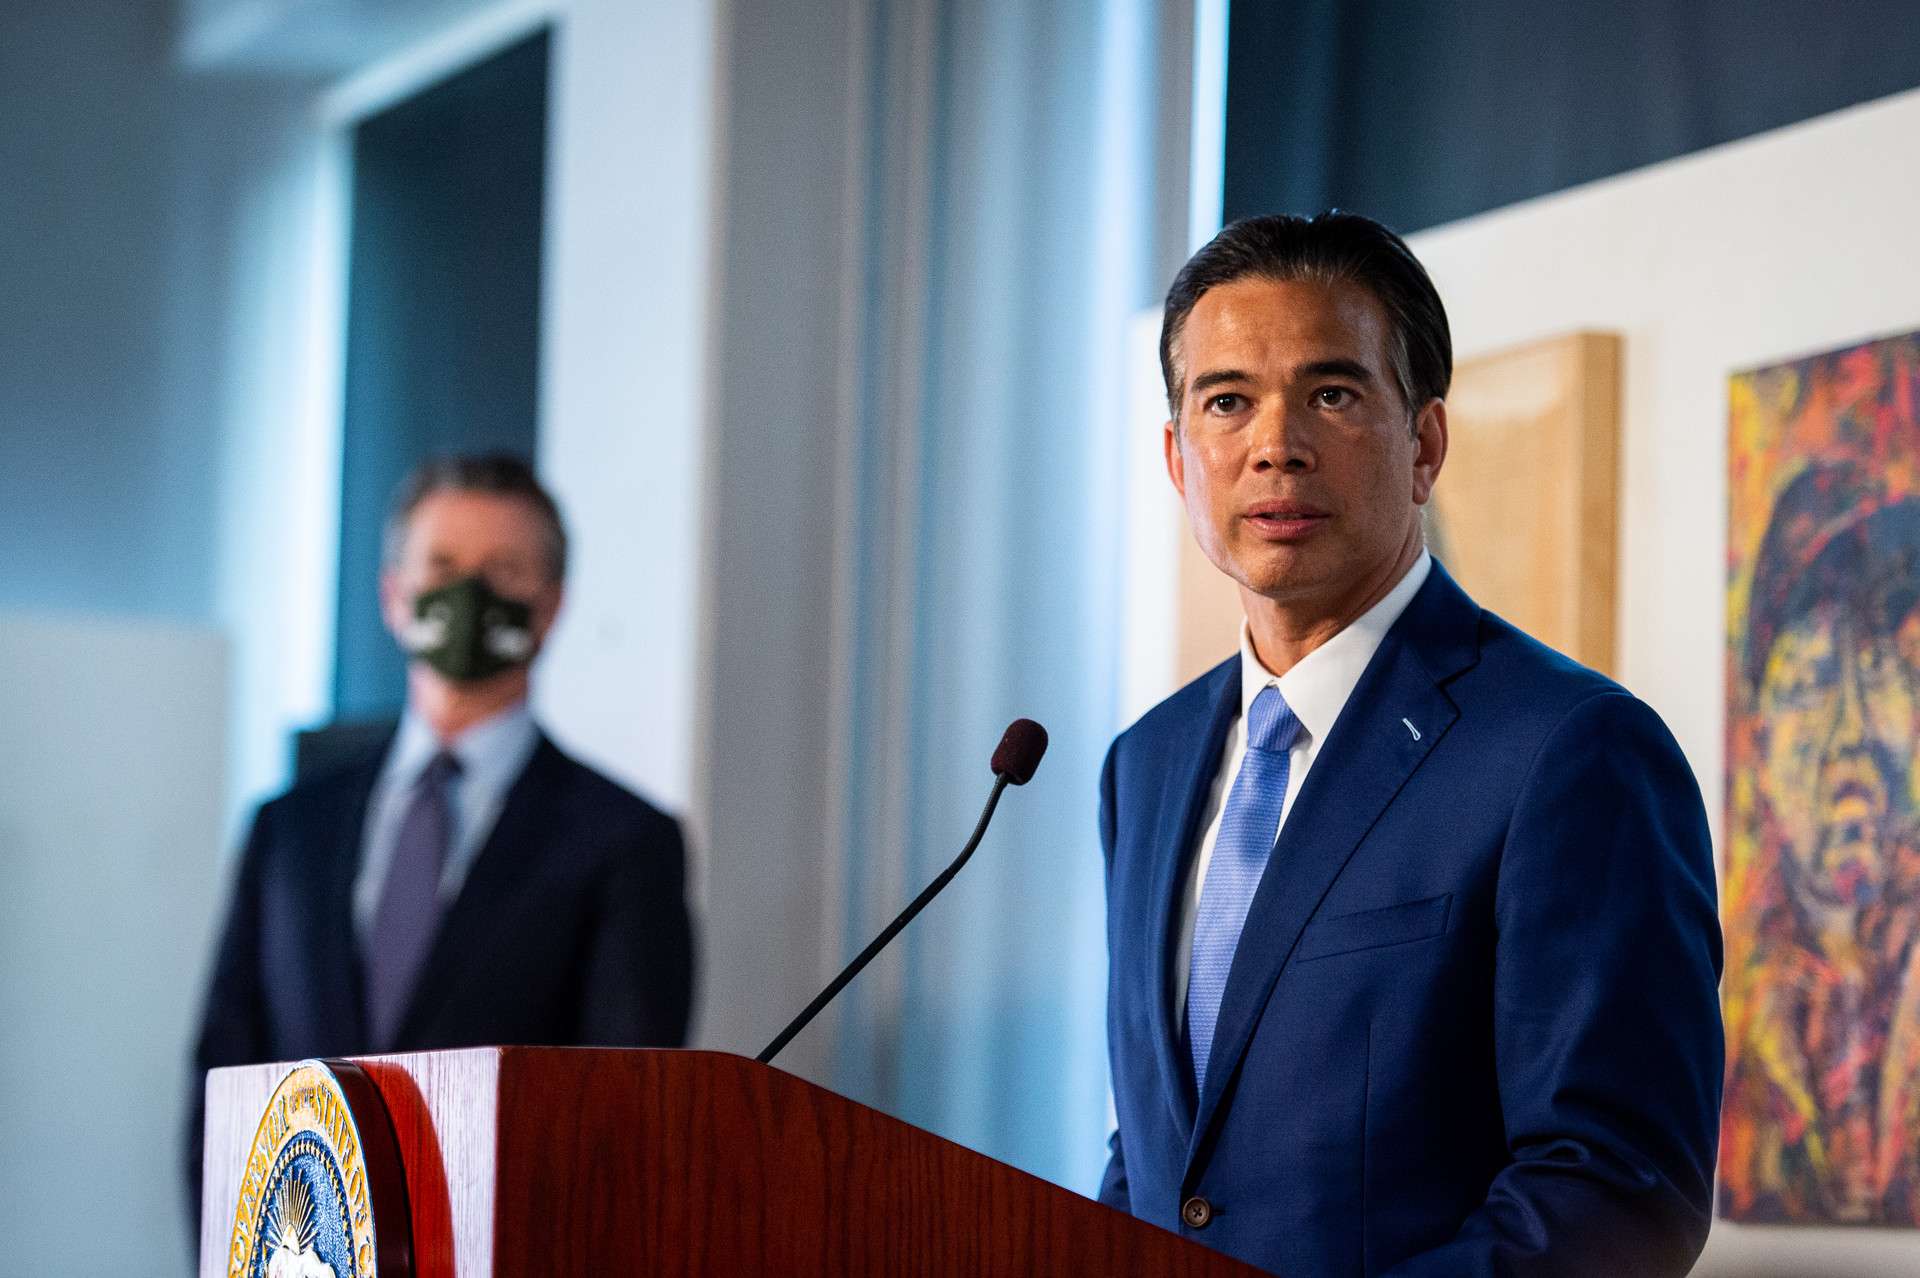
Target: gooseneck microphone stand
x,y
1013,764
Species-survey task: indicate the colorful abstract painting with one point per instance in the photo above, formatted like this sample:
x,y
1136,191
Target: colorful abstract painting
x,y
1822,886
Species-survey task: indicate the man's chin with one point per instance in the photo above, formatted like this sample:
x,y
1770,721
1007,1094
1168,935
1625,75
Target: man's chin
x,y
466,684
1284,577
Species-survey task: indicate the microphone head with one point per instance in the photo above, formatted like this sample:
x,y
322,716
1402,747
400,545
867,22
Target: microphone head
x,y
1019,751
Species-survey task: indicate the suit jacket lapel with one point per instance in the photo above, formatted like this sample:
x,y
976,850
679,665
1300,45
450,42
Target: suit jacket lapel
x,y
508,853
1367,758
1184,802
340,974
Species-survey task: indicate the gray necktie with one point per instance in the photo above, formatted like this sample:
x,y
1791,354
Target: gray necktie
x,y
409,911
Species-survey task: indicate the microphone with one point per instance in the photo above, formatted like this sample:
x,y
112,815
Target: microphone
x,y
1014,762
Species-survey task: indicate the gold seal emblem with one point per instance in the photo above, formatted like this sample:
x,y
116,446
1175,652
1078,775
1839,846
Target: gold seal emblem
x,y
307,1203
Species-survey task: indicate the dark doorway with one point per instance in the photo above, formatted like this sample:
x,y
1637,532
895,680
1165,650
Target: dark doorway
x,y
443,317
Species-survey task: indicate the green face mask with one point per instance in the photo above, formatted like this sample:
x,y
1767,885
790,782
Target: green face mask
x,y
466,631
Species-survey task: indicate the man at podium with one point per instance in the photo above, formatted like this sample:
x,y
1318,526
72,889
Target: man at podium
x,y
1413,949
468,884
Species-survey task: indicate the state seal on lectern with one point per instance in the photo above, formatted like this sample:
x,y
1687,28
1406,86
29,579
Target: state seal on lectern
x,y
323,1195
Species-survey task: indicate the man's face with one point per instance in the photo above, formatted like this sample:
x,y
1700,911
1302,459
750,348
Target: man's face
x,y
453,535
1297,460
1838,761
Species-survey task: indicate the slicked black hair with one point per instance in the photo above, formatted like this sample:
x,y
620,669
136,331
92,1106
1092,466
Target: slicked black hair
x,y
496,474
1330,248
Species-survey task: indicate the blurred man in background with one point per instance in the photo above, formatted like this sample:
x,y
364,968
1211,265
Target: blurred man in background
x,y
468,883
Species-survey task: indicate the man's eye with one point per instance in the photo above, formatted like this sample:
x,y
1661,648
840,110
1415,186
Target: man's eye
x,y
1226,403
1333,397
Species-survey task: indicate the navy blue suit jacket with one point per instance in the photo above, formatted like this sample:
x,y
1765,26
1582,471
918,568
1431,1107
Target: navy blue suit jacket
x,y
570,930
1472,1026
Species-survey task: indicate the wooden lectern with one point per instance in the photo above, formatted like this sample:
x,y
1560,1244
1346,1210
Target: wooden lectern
x,y
580,1163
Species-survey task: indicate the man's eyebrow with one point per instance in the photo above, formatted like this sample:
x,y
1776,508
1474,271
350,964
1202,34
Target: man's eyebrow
x,y
1218,377
1352,370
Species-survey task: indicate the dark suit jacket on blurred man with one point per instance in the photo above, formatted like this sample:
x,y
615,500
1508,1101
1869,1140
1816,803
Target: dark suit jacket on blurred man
x,y
547,903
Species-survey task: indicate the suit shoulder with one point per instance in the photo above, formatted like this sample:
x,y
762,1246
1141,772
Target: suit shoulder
x,y
1527,671
1538,692
325,793
594,793
1183,716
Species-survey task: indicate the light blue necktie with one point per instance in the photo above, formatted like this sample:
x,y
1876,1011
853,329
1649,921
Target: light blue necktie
x,y
1248,828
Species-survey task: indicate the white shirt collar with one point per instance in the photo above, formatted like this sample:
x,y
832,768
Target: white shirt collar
x,y
1317,687
492,755
491,752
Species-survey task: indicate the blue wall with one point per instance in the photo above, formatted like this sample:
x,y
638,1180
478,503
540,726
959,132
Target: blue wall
x,y
443,317
117,215
137,204
1419,112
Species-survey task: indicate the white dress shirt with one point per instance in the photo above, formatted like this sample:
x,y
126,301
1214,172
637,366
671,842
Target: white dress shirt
x,y
1316,690
492,754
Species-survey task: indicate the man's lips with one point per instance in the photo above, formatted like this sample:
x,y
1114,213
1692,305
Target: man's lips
x,y
1284,519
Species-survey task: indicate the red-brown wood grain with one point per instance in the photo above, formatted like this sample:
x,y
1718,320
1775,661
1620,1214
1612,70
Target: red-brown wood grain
x,y
387,1180
442,1105
571,1162
705,1163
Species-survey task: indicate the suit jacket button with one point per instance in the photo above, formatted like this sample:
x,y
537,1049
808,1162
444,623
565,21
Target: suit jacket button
x,y
1197,1212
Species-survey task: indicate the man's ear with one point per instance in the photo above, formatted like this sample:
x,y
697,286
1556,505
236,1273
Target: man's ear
x,y
1430,449
1176,464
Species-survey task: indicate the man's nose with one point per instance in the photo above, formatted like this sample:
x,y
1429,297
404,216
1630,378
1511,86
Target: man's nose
x,y
1279,441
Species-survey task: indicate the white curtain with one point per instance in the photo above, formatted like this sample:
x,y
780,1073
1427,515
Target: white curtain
x,y
1003,173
